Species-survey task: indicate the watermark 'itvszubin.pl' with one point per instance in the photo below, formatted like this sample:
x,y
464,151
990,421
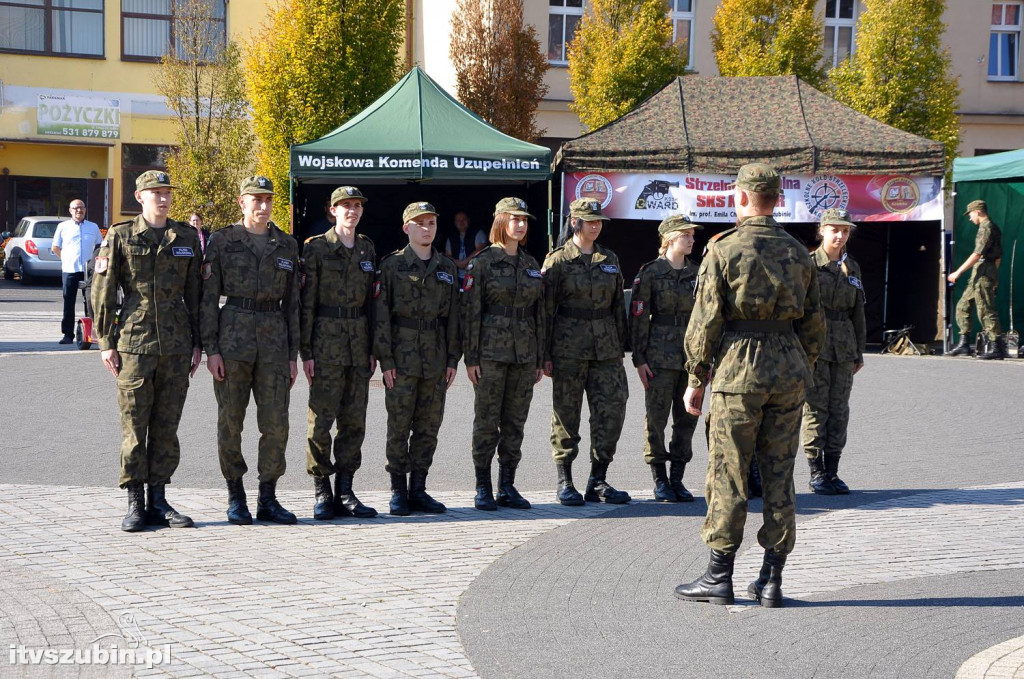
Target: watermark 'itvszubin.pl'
x,y
19,654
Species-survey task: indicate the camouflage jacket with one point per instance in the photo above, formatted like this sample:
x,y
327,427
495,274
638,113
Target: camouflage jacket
x,y
989,244
574,286
160,280
409,292
234,268
842,300
336,276
659,290
514,334
756,272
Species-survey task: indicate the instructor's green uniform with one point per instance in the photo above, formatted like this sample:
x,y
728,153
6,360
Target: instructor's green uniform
x,y
981,288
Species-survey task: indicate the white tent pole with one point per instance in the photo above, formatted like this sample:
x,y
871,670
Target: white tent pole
x,y
561,211
943,288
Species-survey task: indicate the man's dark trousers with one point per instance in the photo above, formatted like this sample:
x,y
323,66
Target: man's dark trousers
x,y
70,289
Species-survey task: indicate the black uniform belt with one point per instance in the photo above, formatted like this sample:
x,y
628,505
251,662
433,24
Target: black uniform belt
x,y
679,321
339,311
759,326
250,304
837,315
507,311
584,314
415,323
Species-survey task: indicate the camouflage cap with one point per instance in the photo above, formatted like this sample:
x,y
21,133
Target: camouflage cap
x,y
153,179
676,223
512,206
587,209
837,217
344,193
976,205
414,210
256,185
759,178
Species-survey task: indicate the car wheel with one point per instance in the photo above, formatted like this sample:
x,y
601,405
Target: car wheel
x,y
23,273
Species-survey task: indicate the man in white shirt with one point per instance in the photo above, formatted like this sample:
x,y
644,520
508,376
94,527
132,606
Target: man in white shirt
x,y
75,242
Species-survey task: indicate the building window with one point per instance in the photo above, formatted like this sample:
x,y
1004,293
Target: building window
x,y
681,14
840,19
1004,41
65,28
148,27
136,159
563,18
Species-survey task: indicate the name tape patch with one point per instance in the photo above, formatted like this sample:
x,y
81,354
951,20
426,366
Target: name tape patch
x,y
182,251
855,282
366,266
446,277
533,273
610,268
284,264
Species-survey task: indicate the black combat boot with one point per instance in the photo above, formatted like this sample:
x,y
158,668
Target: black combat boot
x,y
268,508
238,512
418,498
754,486
345,501
963,348
662,489
996,351
819,482
160,513
323,507
599,490
567,493
715,586
675,478
832,472
767,589
508,496
399,505
484,492
135,519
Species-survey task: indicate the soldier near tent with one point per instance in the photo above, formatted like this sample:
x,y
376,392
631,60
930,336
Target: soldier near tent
x,y
758,320
981,288
251,344
660,306
416,340
336,320
152,345
504,328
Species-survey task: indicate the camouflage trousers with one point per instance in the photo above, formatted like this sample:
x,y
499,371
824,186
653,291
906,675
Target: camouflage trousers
x,y
827,410
270,384
604,383
664,396
742,426
503,395
338,394
415,408
981,295
151,393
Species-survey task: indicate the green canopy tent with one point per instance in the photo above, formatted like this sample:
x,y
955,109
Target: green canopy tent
x,y
998,179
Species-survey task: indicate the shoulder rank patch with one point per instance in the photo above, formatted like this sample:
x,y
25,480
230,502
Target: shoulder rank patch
x,y
533,273
284,264
366,266
467,283
610,268
638,307
207,271
855,282
446,277
182,252
101,265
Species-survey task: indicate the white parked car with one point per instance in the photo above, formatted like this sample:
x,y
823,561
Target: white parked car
x,y
28,253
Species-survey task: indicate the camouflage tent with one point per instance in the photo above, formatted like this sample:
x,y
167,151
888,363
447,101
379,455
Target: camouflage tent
x,y
714,125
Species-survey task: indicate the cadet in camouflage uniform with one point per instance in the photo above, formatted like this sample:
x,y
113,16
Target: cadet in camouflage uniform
x,y
758,320
251,344
585,339
337,305
416,340
981,289
504,336
152,345
660,307
827,410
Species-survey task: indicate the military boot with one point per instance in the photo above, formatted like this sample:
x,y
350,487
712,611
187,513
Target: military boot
x,y
675,478
508,496
567,493
832,472
767,589
160,513
323,507
135,519
715,586
754,485
399,505
238,512
996,351
345,501
819,482
268,508
418,498
599,490
662,489
963,348
484,492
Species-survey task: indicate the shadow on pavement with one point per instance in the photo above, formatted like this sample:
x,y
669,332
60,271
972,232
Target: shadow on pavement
x,y
938,602
18,347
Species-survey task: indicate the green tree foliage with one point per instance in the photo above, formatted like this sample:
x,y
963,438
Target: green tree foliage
x,y
622,53
900,73
203,85
769,37
311,66
499,68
